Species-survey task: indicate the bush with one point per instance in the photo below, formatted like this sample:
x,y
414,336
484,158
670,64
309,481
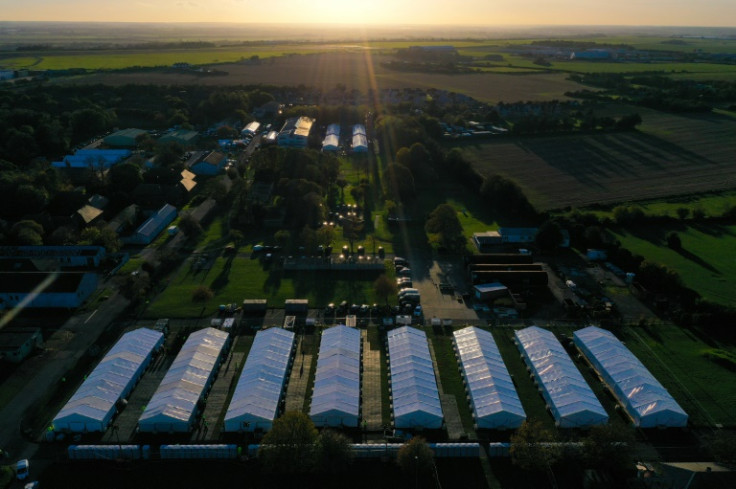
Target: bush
x,y
202,294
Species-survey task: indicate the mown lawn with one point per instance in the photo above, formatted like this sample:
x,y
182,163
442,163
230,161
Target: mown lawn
x,y
705,263
675,356
233,279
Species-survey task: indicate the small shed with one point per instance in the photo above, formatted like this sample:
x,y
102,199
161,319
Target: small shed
x,y
296,305
487,292
255,305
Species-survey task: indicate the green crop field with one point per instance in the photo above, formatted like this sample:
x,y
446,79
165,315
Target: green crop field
x,y
120,59
705,263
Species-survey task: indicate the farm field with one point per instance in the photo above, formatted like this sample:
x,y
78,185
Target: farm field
x,y
705,263
668,155
361,71
713,204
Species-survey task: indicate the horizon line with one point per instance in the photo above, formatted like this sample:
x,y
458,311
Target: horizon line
x,y
374,25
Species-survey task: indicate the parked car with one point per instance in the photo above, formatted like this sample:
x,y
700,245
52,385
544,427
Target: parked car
x,y
21,469
404,272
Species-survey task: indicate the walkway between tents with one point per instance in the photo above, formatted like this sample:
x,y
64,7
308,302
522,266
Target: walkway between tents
x,y
450,411
296,391
371,409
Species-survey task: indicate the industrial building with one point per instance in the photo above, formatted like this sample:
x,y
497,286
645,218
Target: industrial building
x,y
31,290
332,138
125,138
295,132
148,231
360,139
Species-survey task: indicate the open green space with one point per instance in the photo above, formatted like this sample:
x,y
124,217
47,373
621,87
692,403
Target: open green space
x,y
705,262
675,356
235,278
712,204
120,59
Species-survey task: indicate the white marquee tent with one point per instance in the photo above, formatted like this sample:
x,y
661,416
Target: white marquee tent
x,y
644,398
493,397
92,407
255,402
173,407
570,399
336,397
416,400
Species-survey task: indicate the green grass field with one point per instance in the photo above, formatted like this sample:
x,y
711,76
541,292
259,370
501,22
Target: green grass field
x,y
674,355
235,279
710,204
705,263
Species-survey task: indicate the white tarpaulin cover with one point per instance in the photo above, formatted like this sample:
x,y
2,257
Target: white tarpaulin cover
x,y
493,397
255,402
413,385
569,397
336,397
93,405
173,407
644,398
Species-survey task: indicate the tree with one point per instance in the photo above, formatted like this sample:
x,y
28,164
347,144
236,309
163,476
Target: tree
x,y
722,446
444,228
332,453
399,183
100,236
609,448
288,448
385,287
673,241
202,294
415,458
125,177
282,238
135,286
506,197
683,212
549,236
27,233
533,447
189,225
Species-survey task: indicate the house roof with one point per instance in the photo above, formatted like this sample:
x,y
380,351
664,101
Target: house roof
x,y
89,213
214,158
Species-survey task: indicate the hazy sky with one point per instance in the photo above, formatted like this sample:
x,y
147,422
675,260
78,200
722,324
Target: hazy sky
x,y
467,12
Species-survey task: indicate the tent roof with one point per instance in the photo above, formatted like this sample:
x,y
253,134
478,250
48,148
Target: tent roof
x,y
491,389
413,383
643,397
337,380
112,378
186,380
571,399
261,382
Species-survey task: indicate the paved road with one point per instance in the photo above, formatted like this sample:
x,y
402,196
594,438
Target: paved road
x,y
41,374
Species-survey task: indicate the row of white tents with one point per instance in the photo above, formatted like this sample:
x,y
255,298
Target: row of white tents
x,y
416,399
93,406
258,393
331,142
645,400
569,398
491,392
336,396
175,405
